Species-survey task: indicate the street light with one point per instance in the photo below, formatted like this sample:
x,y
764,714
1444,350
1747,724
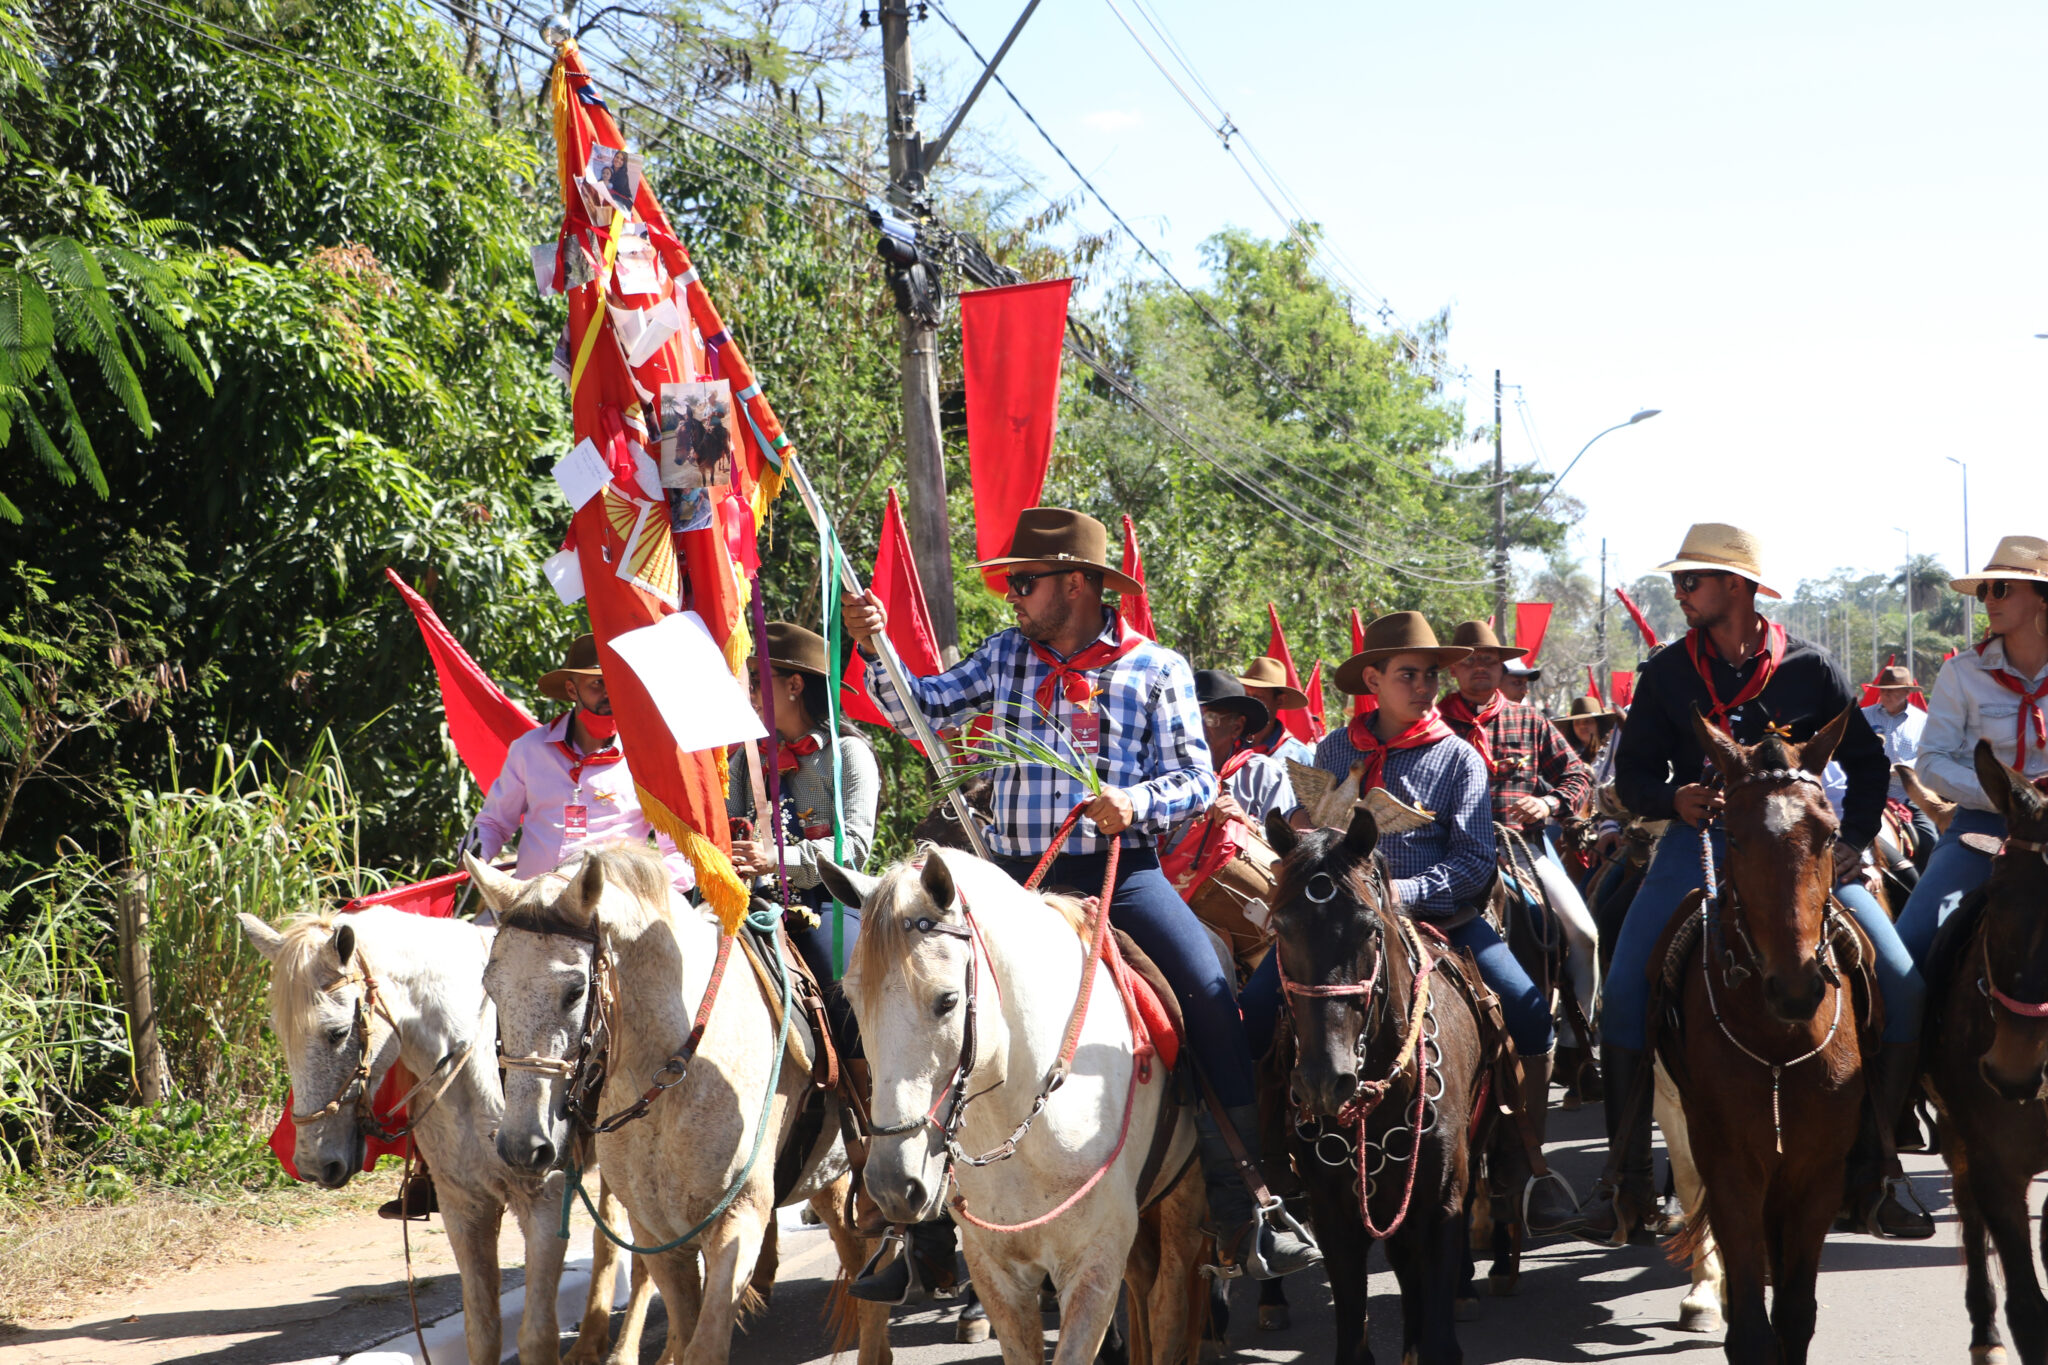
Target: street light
x,y
1909,597
1969,602
1645,415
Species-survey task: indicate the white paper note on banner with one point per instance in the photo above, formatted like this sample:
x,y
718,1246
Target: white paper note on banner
x,y
659,324
565,576
681,667
648,473
634,267
581,473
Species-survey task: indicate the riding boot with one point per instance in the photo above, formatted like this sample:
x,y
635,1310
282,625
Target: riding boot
x,y
928,1251
1625,1196
1875,1180
416,1197
1546,1203
1282,1245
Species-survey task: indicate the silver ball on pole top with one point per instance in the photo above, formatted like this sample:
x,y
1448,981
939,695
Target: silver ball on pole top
x,y
556,30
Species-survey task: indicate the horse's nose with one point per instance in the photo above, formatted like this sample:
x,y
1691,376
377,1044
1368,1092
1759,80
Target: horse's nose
x,y
1795,997
1337,1089
334,1173
534,1153
902,1200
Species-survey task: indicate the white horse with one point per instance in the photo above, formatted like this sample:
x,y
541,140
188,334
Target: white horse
x,y
352,994
615,916
920,975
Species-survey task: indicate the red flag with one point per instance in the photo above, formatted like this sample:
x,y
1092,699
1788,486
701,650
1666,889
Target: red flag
x,y
1367,704
910,622
434,898
1315,701
1622,687
1636,615
482,720
1870,697
1593,681
1136,608
1010,342
1531,620
1294,718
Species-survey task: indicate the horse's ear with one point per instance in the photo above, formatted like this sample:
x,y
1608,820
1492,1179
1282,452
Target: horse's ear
x,y
1364,834
937,880
587,890
2001,784
847,886
497,889
1280,834
1722,750
344,942
261,936
1815,753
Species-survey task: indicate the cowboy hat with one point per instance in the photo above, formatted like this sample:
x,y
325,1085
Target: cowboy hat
x,y
1587,708
1478,635
1518,668
1214,687
1894,675
1269,672
580,662
792,649
2022,558
1060,539
1712,547
1404,632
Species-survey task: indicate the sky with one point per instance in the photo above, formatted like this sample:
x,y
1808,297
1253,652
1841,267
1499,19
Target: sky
x,y
1811,235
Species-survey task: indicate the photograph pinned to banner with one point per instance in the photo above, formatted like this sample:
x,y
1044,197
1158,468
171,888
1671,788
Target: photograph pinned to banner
x,y
634,271
559,364
581,270
616,172
697,445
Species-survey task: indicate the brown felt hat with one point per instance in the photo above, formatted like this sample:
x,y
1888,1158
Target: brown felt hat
x,y
1587,708
1895,675
792,649
580,662
1062,539
1403,632
1266,671
1477,635
2024,558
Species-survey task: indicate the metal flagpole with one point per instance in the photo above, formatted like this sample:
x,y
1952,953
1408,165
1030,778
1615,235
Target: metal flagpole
x,y
920,727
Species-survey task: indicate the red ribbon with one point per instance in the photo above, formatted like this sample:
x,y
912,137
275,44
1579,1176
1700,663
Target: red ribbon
x,y
1701,650
1374,750
1071,675
1470,725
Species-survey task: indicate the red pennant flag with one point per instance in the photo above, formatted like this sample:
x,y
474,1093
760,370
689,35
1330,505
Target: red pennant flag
x,y
1367,704
1636,615
1593,681
1532,619
482,720
1315,701
1136,608
1295,718
910,622
1622,687
1870,697
1010,342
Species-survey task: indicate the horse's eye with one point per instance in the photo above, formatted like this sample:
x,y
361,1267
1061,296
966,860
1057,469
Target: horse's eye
x,y
337,1035
573,996
944,1005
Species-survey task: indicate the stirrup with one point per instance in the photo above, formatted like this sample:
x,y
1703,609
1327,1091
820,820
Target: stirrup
x,y
914,1290
1252,1261
1529,1191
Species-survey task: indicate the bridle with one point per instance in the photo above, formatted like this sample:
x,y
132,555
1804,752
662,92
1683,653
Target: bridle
x,y
949,1110
2021,1008
369,1000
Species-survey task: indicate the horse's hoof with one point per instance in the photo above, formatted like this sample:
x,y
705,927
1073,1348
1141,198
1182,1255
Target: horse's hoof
x,y
1699,1317
1503,1286
970,1331
1273,1317
1570,1102
1467,1310
1987,1355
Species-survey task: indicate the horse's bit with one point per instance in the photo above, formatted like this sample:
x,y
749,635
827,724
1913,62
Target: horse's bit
x,y
584,1074
368,1000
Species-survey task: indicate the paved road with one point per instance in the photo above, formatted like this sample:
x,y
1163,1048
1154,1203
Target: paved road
x,y
1881,1302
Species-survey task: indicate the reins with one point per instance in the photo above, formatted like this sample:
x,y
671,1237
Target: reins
x,y
370,1001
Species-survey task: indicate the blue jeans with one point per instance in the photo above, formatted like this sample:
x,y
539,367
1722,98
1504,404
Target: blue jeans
x,y
1953,872
1674,873
1146,907
1526,1011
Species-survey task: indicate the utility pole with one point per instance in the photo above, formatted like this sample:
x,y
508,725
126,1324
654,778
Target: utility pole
x,y
1601,629
1500,519
924,455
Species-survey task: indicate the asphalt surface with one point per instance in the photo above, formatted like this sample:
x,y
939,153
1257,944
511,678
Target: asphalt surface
x,y
1880,1301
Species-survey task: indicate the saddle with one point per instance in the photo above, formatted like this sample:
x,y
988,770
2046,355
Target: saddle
x,y
1140,981
771,954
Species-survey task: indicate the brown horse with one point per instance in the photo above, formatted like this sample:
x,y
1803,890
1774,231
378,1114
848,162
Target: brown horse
x,y
1986,1049
1393,1056
1768,1042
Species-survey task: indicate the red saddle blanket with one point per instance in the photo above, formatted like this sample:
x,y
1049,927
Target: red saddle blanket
x,y
1154,1023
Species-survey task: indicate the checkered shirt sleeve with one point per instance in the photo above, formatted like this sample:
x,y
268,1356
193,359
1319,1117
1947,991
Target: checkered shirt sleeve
x,y
1543,764
1152,746
1450,859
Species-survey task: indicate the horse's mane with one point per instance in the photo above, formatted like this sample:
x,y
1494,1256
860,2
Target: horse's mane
x,y
888,945
630,865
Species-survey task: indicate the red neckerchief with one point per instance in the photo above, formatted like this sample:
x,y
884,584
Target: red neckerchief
x,y
1700,650
1071,675
790,750
1269,747
596,758
1470,725
2030,708
1426,731
1235,763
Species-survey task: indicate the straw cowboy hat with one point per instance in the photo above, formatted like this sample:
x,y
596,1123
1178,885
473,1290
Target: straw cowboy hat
x,y
1214,687
1587,708
792,649
1404,632
581,662
1060,539
1714,548
1268,672
1477,635
2022,558
1895,675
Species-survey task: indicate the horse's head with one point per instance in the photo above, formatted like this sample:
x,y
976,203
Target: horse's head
x,y
911,987
1781,837
942,825
542,975
2014,965
336,1041
1331,935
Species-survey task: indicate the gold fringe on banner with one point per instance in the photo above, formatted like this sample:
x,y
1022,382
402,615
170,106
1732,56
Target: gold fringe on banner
x,y
717,882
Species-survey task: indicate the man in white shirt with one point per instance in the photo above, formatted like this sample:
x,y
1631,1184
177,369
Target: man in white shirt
x,y
1898,724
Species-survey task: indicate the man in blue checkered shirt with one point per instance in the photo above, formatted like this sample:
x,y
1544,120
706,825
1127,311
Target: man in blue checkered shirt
x,y
1071,675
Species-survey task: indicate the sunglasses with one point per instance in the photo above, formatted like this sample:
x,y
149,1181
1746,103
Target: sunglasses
x,y
1022,583
1999,588
1690,582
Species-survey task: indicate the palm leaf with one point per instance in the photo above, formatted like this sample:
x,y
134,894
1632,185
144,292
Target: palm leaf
x,y
985,755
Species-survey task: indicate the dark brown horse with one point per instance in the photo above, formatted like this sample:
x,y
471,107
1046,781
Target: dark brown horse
x,y
1985,1043
1768,1041
1393,1057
